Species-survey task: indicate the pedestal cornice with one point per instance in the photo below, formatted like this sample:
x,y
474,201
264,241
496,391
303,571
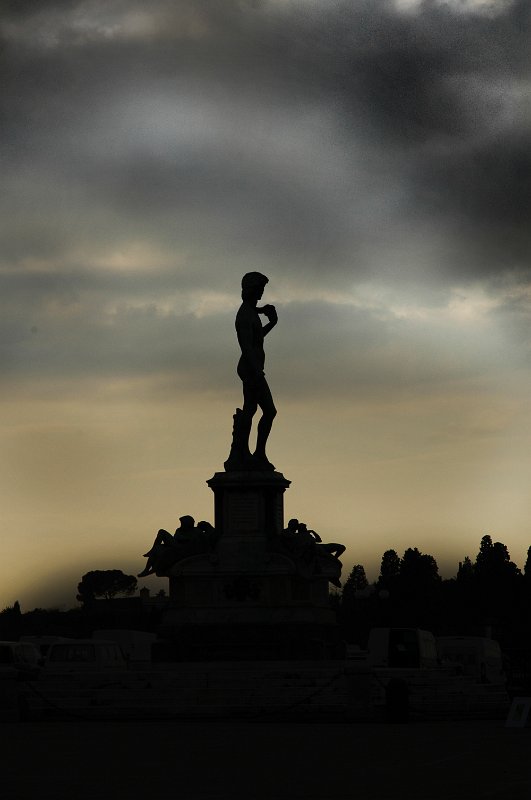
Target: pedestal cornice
x,y
250,479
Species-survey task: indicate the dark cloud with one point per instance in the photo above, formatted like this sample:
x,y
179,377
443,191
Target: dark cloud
x,y
16,9
100,326
324,137
103,324
486,196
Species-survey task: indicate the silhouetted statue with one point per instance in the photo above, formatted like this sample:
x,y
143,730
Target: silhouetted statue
x,y
187,540
308,534
331,549
256,392
307,550
291,529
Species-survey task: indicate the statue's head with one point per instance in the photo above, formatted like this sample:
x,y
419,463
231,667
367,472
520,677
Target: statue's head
x,y
187,521
293,524
253,285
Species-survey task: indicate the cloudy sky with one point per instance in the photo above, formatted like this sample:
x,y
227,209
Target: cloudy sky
x,y
373,158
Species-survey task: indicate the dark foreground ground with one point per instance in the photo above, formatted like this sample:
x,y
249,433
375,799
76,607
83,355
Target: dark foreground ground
x,y
254,761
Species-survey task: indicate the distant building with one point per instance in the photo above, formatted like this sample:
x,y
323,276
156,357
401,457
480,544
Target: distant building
x,y
141,612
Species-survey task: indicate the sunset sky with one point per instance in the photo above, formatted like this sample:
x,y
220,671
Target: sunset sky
x,y
373,158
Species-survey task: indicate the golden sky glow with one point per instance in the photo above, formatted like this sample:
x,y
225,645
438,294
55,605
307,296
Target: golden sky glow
x,y
373,160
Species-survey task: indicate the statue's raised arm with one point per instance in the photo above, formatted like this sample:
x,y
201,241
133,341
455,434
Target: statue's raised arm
x,y
256,392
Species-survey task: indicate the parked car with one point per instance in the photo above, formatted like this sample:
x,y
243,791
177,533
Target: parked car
x,y
20,658
135,645
476,656
84,655
43,642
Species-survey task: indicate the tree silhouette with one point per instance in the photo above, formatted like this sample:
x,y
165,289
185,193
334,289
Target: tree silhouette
x,y
525,594
389,570
418,568
484,556
10,621
460,598
527,565
494,569
357,579
350,616
419,588
465,571
105,583
493,562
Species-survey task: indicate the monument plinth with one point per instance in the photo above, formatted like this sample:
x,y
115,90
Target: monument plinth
x,y
248,509
249,596
248,586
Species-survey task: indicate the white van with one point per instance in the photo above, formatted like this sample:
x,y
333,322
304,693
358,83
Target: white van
x,y
84,655
135,645
402,648
42,643
476,656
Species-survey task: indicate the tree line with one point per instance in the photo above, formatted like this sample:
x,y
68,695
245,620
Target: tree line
x,y
487,596
95,593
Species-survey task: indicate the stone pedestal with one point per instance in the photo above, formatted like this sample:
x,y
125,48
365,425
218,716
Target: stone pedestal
x,y
249,510
246,598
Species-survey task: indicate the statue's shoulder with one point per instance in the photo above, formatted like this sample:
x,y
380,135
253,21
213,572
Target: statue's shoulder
x,y
246,315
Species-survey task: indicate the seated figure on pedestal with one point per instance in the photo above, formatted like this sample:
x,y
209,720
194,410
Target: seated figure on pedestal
x,y
308,551
187,540
325,549
301,544
299,541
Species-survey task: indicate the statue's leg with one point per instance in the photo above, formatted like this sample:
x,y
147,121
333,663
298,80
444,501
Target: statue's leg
x,y
339,549
269,412
162,537
157,552
333,549
249,410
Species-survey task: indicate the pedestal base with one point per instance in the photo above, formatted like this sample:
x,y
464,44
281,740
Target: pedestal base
x,y
248,599
251,641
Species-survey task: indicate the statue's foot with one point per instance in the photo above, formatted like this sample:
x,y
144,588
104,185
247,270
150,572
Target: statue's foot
x,y
238,461
145,573
261,462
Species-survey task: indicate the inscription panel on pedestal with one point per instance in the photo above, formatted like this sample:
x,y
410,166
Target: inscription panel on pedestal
x,y
243,512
